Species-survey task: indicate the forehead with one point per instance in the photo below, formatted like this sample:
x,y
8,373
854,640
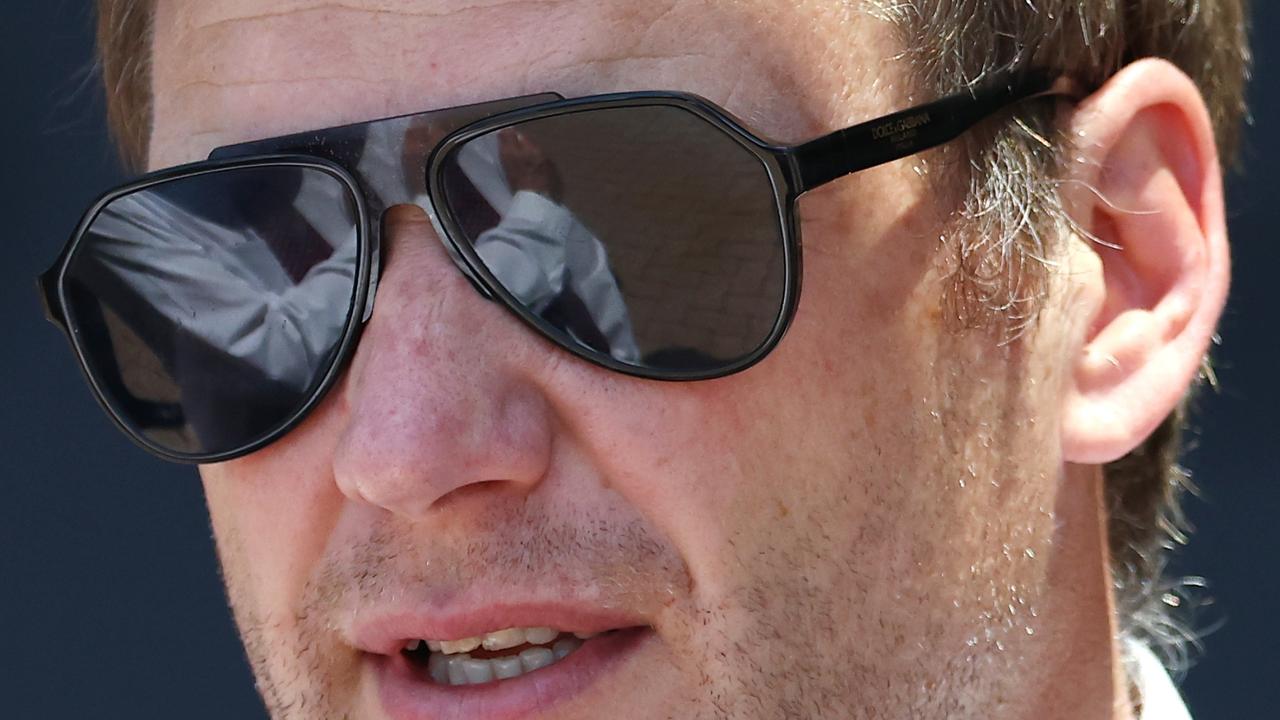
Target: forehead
x,y
234,70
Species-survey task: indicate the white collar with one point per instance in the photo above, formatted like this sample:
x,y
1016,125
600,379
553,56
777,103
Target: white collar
x,y
1160,699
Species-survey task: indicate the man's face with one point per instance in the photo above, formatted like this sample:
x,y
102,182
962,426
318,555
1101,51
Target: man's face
x,y
855,527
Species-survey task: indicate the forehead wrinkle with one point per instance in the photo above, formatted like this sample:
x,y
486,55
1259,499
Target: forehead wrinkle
x,y
205,82
340,7
728,52
305,32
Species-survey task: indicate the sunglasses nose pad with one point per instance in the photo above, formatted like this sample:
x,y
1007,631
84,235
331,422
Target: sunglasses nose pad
x,y
375,274
457,259
468,274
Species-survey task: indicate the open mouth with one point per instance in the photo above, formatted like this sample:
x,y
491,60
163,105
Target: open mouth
x,y
495,656
507,674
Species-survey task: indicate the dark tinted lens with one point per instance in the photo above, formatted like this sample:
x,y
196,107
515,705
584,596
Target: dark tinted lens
x,y
207,308
643,232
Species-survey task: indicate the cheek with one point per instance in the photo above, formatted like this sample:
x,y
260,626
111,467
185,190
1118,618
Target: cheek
x,y
820,449
272,514
789,458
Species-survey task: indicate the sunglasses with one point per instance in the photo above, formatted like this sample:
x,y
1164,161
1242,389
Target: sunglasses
x,y
212,305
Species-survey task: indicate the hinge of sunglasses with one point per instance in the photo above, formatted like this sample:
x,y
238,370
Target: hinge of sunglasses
x,y
48,299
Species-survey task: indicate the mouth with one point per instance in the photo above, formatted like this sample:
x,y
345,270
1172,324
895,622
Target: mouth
x,y
510,673
496,656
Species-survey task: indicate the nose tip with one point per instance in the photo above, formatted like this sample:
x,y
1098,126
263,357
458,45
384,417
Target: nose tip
x,y
408,461
437,396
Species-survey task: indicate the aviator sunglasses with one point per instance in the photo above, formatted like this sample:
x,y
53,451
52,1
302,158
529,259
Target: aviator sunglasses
x,y
212,305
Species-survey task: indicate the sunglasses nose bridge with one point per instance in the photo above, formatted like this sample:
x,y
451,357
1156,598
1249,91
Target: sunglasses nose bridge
x,y
454,255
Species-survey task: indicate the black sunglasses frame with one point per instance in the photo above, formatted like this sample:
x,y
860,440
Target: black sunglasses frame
x,y
58,309
782,178
792,171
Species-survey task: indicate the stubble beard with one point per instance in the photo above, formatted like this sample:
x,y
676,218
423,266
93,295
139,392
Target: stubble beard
x,y
810,630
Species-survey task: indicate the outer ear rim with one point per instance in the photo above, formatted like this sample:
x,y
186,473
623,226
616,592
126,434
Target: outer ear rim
x,y
1109,408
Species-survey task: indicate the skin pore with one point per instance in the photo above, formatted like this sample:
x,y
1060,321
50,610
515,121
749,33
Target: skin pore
x,y
877,521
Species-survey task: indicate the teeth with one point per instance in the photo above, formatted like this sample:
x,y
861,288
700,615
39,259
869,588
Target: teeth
x,y
504,639
536,659
497,640
462,669
454,647
540,635
450,661
507,667
563,647
457,675
438,666
478,671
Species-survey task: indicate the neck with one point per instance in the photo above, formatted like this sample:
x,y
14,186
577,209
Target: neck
x,y
1083,677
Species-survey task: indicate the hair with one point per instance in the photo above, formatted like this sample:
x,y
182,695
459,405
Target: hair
x,y
124,59
1010,215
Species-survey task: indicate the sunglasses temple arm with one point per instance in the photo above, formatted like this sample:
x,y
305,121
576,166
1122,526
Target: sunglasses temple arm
x,y
910,131
47,285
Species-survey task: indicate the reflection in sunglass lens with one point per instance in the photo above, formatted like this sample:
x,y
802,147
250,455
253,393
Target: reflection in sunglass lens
x,y
208,307
644,233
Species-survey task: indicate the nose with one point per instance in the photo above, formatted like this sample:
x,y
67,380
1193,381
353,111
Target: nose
x,y
439,395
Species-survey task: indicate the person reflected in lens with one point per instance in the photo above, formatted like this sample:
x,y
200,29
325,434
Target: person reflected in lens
x,y
236,285
542,253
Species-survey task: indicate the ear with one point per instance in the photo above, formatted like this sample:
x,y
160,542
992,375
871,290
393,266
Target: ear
x,y
1146,184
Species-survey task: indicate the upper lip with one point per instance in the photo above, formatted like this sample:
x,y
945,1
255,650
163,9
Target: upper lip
x,y
386,629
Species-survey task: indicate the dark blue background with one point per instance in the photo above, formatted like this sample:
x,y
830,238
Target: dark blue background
x,y
109,591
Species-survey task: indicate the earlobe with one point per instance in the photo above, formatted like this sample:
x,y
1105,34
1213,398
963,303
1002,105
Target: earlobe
x,y
1147,190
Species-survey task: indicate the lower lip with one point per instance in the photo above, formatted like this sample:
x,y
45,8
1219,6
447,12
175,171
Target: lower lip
x,y
408,693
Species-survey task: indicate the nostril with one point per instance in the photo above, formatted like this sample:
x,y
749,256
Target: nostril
x,y
483,488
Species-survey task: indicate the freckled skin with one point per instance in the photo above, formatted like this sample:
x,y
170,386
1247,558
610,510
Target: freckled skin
x,y
841,531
